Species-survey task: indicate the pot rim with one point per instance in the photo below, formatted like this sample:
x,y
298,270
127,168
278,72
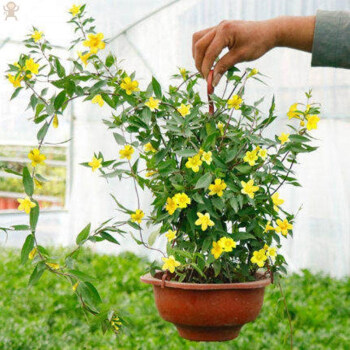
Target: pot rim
x,y
148,279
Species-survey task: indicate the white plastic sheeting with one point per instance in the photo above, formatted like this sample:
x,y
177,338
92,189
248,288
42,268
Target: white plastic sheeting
x,y
162,43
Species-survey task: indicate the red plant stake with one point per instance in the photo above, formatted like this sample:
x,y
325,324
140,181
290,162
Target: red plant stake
x,y
210,90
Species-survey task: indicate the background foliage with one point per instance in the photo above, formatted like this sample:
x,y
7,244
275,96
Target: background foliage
x,y
48,317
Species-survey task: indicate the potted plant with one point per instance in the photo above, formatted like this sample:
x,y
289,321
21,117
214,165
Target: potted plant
x,y
213,174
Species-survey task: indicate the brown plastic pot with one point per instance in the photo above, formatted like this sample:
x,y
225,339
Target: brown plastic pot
x,y
207,312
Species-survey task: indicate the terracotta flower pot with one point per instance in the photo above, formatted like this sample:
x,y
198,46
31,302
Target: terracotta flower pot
x,y
207,312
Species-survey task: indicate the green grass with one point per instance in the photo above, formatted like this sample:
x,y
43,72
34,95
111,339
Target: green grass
x,y
48,317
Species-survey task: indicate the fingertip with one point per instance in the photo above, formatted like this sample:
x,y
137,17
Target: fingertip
x,y
216,79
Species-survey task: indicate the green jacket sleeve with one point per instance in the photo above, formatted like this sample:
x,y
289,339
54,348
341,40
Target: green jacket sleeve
x,y
331,45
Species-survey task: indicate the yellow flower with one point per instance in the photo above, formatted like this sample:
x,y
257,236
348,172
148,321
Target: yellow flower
x,y
184,110
129,85
266,247
170,235
170,264
249,188
152,104
25,204
227,244
38,184
182,200
183,72
32,253
277,201
75,286
171,206
263,153
271,252
200,152
116,324
95,42
36,157
312,121
15,80
250,157
75,9
302,123
84,58
217,187
151,173
194,163
284,138
254,71
98,99
216,250
268,227
259,257
37,35
95,163
137,216
53,266
31,66
204,221
126,152
234,102
221,127
149,148
292,112
207,157
55,121
283,227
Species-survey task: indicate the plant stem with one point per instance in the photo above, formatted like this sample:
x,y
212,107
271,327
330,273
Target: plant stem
x,y
288,315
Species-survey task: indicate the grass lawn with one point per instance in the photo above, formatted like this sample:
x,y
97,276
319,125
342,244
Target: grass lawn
x,y
48,317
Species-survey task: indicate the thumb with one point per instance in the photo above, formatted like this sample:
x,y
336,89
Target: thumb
x,y
225,63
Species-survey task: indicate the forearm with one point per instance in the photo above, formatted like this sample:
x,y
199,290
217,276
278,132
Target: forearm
x,y
294,32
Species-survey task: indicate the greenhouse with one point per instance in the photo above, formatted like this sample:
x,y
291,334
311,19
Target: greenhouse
x,y
118,161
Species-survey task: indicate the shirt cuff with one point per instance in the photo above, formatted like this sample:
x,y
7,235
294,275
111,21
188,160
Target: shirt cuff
x,y
331,45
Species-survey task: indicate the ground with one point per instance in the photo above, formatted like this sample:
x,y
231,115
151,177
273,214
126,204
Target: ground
x,y
47,316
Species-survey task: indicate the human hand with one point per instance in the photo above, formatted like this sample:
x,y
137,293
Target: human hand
x,y
246,41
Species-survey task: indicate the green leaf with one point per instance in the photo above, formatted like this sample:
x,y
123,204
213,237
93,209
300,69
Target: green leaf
x,y
186,152
89,295
83,235
38,109
82,276
241,236
40,268
109,60
204,181
60,69
108,237
243,168
27,248
16,92
156,88
20,227
210,141
42,132
153,236
299,138
96,88
119,139
60,98
234,204
28,182
217,267
34,216
195,266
